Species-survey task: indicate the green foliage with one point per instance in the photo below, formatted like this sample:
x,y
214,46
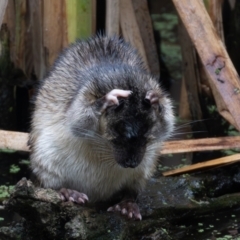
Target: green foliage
x,y
14,169
230,152
5,150
212,108
166,24
231,131
24,162
5,191
163,168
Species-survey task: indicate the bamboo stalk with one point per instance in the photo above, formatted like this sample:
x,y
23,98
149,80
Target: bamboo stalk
x,y
79,19
71,13
214,57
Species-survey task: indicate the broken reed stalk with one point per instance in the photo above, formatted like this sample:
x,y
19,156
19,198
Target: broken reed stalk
x,y
198,166
131,30
214,57
18,141
112,17
14,140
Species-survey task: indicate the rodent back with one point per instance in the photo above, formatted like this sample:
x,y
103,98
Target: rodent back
x,y
100,50
68,74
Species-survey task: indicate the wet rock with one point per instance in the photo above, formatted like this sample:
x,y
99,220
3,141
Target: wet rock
x,y
165,201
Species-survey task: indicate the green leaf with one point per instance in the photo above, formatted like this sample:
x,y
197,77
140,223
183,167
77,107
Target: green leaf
x,y
14,169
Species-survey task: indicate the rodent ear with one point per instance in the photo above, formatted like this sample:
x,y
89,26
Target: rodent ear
x,y
152,98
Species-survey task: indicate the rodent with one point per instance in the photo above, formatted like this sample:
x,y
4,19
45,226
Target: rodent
x,y
98,122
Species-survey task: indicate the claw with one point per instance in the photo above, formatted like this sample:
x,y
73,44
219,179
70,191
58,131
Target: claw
x,y
112,97
130,215
153,97
73,196
127,208
124,211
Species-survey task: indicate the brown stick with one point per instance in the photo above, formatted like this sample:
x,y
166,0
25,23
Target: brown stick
x,y
14,140
214,8
146,30
38,49
207,164
214,57
53,25
198,145
18,141
112,17
130,28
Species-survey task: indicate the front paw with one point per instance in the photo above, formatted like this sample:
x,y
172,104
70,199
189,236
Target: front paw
x,y
73,196
127,208
111,98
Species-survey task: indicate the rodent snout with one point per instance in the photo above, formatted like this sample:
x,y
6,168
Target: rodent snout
x,y
131,164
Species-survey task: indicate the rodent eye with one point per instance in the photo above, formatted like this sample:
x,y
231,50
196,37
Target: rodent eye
x,y
146,103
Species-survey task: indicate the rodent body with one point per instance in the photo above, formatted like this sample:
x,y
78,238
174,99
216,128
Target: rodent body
x,y
99,120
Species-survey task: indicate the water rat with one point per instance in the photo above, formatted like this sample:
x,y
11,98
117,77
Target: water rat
x,y
98,122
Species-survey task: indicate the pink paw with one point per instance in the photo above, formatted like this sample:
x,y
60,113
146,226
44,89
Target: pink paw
x,y
111,98
73,196
127,208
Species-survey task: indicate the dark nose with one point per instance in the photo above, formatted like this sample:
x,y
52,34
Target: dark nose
x,y
131,163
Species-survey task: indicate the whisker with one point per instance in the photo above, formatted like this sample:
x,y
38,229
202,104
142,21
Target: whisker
x,y
109,162
182,125
104,146
88,133
192,132
85,136
153,149
94,139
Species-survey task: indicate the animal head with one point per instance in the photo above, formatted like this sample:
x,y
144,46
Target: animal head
x,y
135,123
123,108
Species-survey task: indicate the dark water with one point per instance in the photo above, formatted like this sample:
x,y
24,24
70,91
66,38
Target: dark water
x,y
215,226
